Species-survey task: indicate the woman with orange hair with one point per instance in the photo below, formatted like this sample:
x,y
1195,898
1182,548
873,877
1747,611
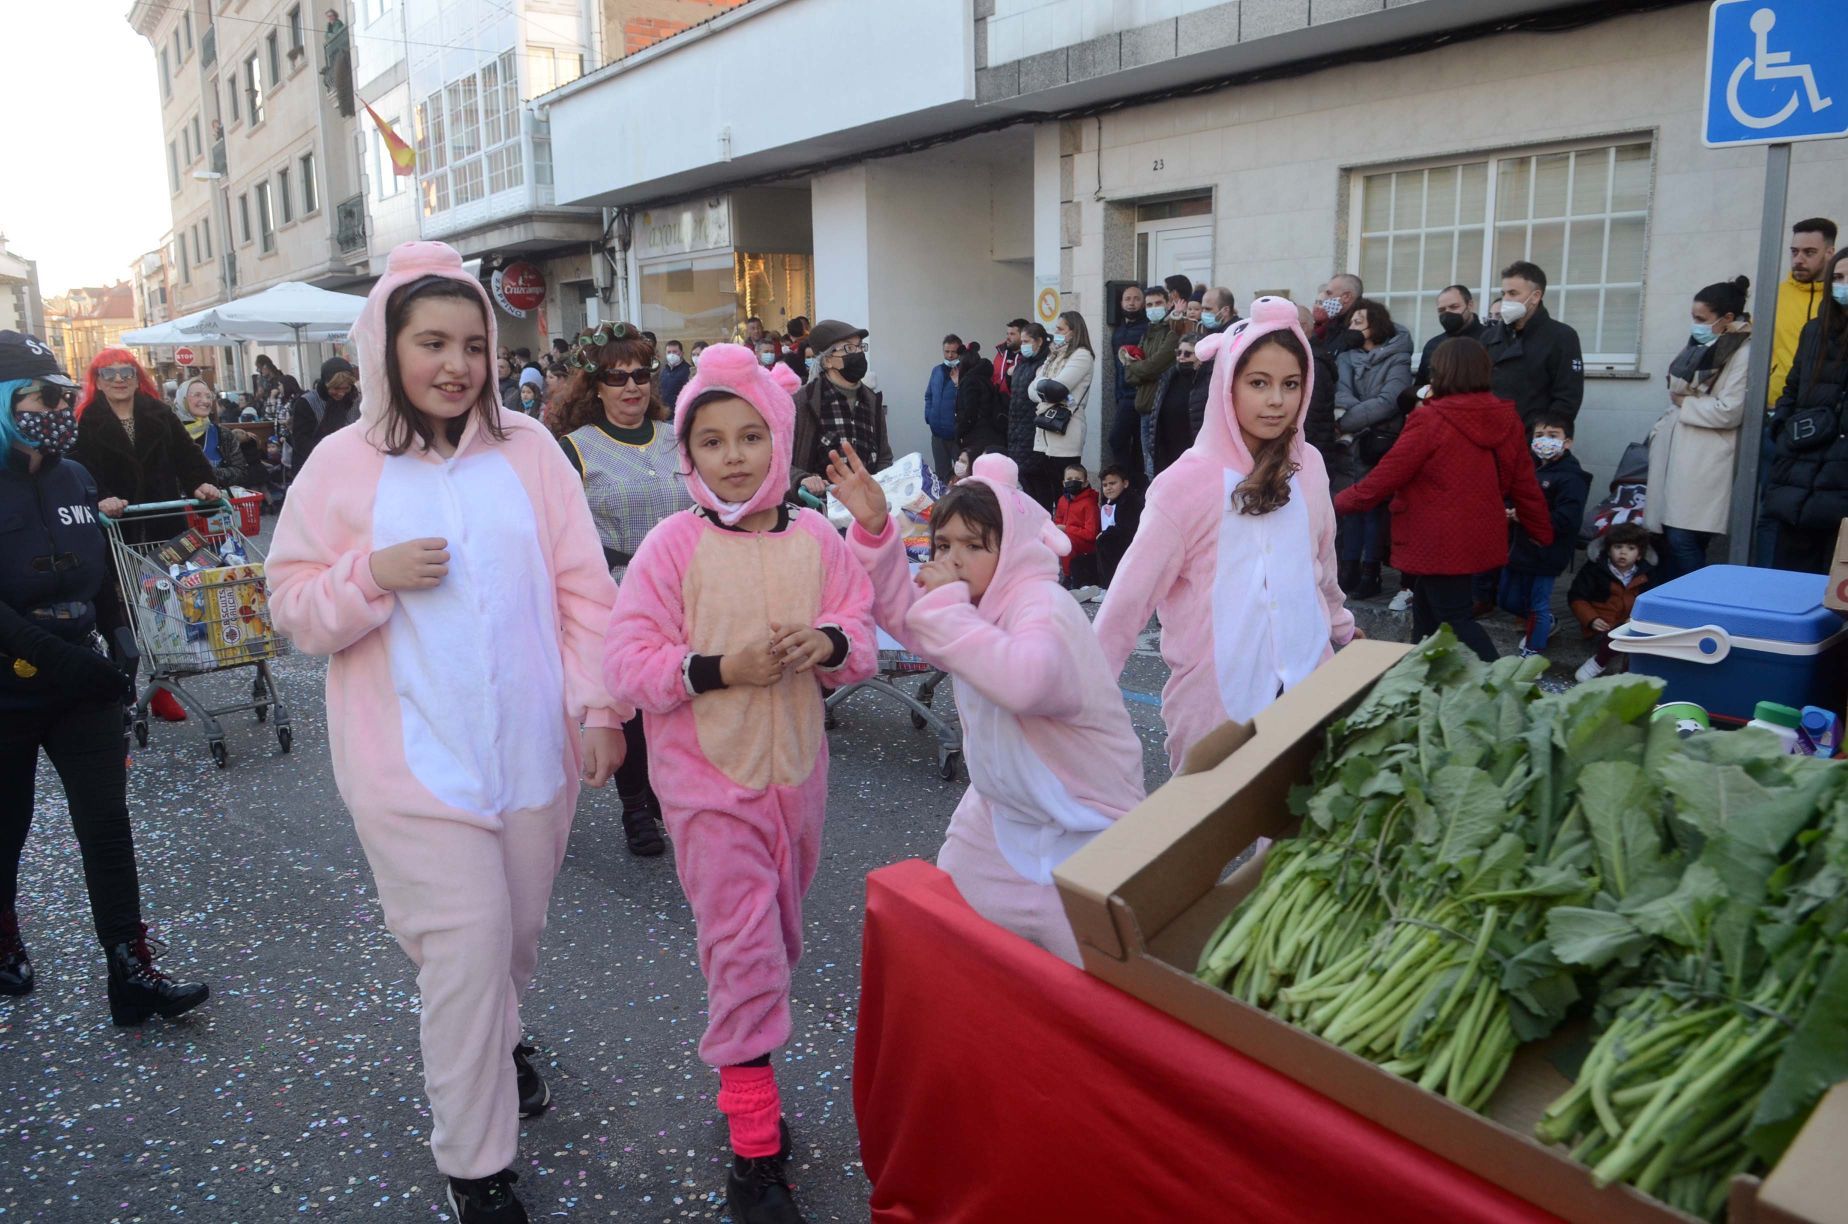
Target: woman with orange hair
x,y
139,451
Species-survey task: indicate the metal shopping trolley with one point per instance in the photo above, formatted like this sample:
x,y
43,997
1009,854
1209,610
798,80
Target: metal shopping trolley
x,y
199,603
895,664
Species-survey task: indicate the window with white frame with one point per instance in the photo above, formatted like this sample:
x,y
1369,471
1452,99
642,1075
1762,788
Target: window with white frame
x,y
311,185
1580,214
552,67
253,87
205,233
198,144
173,168
166,77
243,219
231,98
274,45
282,194
266,218
468,137
186,24
297,43
372,10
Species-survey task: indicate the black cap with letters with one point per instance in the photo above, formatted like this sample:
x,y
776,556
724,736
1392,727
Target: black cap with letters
x,y
25,356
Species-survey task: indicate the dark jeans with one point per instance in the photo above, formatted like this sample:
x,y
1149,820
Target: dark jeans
x,y
84,742
1125,432
1687,551
632,774
1444,599
943,452
1041,478
1363,536
1530,597
1804,550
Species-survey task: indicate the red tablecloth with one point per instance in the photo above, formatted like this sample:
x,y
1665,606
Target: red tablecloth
x,y
995,1084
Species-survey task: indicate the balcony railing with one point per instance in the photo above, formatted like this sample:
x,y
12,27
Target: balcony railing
x,y
350,224
208,47
337,68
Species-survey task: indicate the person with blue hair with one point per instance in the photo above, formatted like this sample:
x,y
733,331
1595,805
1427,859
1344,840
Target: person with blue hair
x,y
59,689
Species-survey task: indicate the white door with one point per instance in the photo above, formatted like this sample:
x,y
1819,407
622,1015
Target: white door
x,y
1184,245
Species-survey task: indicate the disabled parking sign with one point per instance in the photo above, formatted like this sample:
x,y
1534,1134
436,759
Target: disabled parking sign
x,y
1776,72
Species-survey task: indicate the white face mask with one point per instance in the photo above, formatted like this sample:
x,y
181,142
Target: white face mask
x,y
1157,314
1548,448
961,468
1513,312
673,359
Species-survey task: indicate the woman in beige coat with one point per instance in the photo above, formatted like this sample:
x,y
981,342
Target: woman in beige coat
x,y
1070,366
1693,446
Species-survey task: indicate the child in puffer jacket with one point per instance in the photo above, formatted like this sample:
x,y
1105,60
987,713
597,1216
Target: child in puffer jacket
x,y
1078,517
1619,568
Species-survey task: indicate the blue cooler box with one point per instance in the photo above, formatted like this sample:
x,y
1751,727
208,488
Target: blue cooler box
x,y
1728,637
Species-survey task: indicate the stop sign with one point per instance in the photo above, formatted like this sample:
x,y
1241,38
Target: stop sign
x,y
183,355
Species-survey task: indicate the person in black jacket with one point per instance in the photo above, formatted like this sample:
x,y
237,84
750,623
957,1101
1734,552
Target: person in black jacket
x,y
1532,570
1538,363
332,406
135,446
1175,425
1035,347
1125,425
1807,493
981,412
1319,428
59,691
1456,316
1118,515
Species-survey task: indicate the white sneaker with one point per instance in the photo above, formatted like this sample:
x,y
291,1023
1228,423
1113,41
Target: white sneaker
x,y
1402,602
1086,594
1590,669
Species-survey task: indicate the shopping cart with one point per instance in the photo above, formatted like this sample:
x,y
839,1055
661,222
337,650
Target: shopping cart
x,y
199,604
895,664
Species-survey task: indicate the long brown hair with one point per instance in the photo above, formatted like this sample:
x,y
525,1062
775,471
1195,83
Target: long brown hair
x,y
1831,322
405,425
1268,486
596,351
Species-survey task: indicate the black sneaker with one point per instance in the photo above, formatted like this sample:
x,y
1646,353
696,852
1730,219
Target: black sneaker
x,y
535,1096
757,1191
15,966
486,1200
641,825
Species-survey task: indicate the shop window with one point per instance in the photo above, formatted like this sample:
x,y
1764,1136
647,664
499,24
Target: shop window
x,y
708,297
1580,214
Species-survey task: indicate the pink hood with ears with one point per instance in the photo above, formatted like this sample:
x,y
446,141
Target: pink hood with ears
x,y
408,262
734,369
1219,433
1030,544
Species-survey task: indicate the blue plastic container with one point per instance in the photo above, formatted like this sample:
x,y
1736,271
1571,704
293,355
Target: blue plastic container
x,y
1728,637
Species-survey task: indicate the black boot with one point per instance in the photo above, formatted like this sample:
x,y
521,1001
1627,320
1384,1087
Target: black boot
x,y
1369,584
15,966
641,824
486,1200
757,1191
535,1096
1347,574
138,990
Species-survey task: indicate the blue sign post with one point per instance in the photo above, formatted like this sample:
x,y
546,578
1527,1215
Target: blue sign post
x,y
1775,74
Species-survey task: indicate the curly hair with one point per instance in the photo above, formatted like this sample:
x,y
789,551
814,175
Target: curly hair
x,y
595,351
1267,488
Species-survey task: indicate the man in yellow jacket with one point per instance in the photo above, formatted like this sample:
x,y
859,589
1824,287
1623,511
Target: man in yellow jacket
x,y
1812,246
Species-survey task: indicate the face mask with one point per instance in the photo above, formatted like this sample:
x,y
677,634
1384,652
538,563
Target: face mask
x,y
1451,323
51,433
952,362
1703,334
766,359
673,359
1513,312
1026,350
1058,340
1547,449
1209,320
1840,292
1331,307
961,468
1074,487
853,367
814,366
1157,313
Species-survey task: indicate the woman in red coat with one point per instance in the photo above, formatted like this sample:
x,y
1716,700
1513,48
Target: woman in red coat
x,y
1462,456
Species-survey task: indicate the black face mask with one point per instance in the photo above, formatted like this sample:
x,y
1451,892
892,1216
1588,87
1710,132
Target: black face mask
x,y
853,367
1450,322
1074,487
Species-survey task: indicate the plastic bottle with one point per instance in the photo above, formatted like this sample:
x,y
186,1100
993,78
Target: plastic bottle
x,y
1818,732
1781,720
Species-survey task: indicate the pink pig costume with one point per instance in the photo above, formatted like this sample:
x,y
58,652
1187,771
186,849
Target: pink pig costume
x,y
742,773
1053,757
1249,604
453,712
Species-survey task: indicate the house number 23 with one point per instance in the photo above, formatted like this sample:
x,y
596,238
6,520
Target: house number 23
x,y
1160,165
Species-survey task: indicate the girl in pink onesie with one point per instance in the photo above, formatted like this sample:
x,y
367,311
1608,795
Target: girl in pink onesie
x,y
1053,758
728,618
440,549
1236,549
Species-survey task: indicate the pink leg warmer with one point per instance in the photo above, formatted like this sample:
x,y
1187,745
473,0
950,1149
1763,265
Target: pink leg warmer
x,y
749,1100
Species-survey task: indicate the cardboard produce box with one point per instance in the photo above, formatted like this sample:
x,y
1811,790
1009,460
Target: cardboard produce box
x,y
1146,894
1835,595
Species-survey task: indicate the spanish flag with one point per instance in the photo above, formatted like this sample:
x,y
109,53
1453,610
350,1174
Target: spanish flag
x,y
403,157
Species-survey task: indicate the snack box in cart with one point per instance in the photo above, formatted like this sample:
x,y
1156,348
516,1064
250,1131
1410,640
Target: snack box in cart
x,y
1728,637
1147,893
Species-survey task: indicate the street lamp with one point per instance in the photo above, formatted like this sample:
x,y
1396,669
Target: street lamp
x,y
222,197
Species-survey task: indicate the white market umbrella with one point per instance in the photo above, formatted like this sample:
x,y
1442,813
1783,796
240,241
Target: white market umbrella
x,y
170,335
290,311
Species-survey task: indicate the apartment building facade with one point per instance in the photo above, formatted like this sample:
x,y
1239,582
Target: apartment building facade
x,y
22,307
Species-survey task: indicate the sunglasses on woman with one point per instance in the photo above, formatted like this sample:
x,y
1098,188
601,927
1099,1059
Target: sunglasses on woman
x,y
115,373
49,394
622,378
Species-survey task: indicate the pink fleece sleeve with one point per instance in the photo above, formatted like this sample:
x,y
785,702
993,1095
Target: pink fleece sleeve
x,y
1142,580
321,591
894,590
1313,480
584,592
645,651
846,604
1027,668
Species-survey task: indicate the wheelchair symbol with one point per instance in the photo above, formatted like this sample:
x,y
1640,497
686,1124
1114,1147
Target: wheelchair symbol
x,y
1768,65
